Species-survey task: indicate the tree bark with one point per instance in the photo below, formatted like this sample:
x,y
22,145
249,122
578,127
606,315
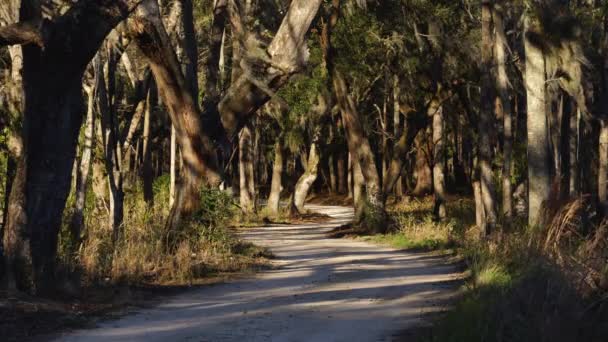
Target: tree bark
x,y
342,177
424,177
602,181
486,124
397,128
53,112
414,124
358,145
147,175
502,85
436,111
358,190
104,88
573,150
306,181
247,184
197,149
82,178
277,173
288,54
538,140
173,167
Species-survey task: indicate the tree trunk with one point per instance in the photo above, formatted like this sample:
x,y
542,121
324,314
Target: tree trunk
x,y
480,213
436,110
358,191
486,124
306,181
398,187
502,85
246,190
573,149
538,140
414,124
173,166
196,146
288,54
147,175
375,216
104,85
333,181
602,181
342,178
82,178
277,172
424,177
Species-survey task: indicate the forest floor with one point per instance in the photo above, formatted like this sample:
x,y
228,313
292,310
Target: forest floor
x,y
318,289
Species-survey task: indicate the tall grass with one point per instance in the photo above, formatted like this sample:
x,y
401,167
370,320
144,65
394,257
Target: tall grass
x,y
547,283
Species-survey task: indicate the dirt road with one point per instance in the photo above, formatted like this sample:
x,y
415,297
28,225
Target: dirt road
x,y
322,290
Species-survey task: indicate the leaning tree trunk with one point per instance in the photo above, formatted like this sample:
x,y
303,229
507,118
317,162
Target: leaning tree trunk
x,y
538,139
502,85
375,215
196,146
306,181
486,115
288,54
277,172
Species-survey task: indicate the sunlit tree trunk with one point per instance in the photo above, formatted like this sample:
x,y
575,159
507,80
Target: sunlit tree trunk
x,y
602,181
173,166
196,146
247,185
436,110
306,181
538,139
277,172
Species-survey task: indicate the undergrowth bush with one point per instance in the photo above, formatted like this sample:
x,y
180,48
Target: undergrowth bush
x,y
147,253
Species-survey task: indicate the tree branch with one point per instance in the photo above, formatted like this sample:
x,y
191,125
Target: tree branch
x,y
28,32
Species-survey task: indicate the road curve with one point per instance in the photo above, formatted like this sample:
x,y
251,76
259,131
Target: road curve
x,y
321,290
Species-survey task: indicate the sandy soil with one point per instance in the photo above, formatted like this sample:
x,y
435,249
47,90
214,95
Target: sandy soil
x,y
321,290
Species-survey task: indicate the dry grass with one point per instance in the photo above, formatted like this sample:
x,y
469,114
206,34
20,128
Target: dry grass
x,y
147,254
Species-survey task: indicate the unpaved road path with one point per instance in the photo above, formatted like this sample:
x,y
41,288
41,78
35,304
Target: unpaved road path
x,y
322,290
